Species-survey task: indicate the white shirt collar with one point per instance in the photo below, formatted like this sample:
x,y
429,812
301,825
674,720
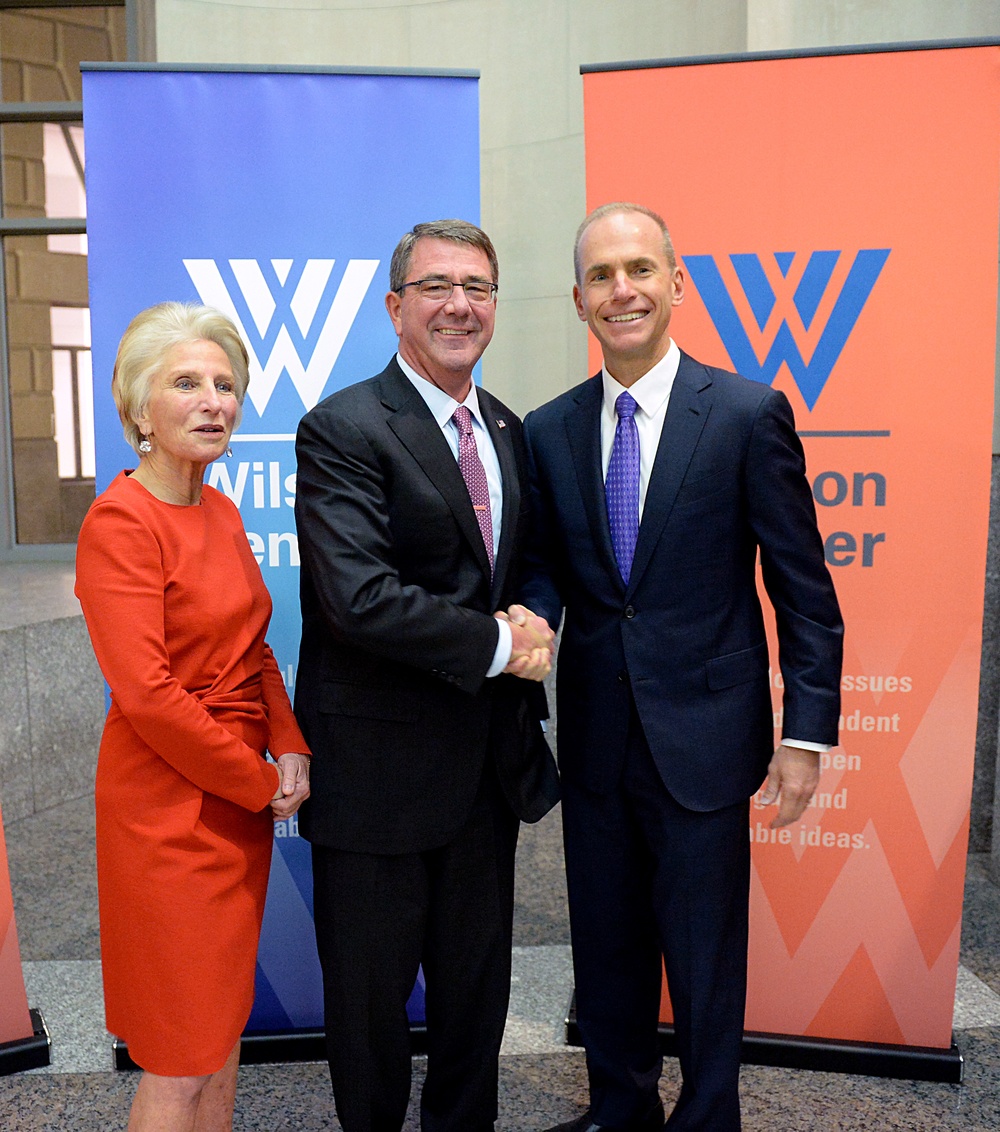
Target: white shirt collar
x,y
652,390
442,406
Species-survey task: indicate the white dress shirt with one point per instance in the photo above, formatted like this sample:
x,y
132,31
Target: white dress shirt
x,y
652,395
442,409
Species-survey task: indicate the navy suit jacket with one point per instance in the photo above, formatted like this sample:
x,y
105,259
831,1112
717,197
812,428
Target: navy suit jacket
x,y
685,639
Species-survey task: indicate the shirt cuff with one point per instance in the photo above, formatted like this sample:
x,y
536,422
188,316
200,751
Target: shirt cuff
x,y
505,646
805,744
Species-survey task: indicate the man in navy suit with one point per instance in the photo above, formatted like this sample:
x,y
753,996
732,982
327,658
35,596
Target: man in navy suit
x,y
655,486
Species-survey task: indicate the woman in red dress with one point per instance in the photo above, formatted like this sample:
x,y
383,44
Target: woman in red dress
x,y
177,612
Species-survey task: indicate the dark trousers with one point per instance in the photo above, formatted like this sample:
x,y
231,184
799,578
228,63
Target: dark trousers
x,y
646,878
377,919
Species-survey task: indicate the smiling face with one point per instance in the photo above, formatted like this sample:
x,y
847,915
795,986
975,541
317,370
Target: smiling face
x,y
192,407
626,292
443,341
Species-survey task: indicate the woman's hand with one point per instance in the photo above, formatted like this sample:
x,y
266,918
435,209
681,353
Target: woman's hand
x,y
294,789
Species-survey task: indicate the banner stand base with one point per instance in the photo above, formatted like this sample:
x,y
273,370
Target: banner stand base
x,y
786,1051
27,1053
281,1046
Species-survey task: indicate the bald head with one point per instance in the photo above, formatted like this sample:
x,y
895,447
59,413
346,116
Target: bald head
x,y
611,209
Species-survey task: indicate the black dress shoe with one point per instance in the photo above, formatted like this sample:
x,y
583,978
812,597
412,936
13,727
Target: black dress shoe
x,y
653,1122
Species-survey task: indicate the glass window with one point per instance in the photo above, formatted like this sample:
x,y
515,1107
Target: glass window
x,y
64,185
73,392
47,371
51,399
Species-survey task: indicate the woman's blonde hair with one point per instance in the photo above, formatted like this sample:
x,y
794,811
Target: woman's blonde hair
x,y
148,339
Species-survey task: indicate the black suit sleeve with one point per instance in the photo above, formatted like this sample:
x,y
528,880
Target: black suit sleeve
x,y
351,548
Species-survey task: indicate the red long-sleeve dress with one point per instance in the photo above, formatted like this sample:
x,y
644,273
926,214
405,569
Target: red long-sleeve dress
x,y
177,612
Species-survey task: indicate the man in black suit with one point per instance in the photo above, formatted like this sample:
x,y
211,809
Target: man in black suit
x,y
425,750
655,485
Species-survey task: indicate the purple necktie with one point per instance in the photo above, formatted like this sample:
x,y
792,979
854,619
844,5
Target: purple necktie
x,y
621,487
474,475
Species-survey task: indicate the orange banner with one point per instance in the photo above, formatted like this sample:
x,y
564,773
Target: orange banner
x,y
15,1021
837,221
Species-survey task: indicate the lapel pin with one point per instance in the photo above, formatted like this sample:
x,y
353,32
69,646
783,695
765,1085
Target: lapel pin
x,y
500,423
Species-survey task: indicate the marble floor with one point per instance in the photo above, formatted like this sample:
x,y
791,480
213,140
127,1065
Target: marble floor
x,y
542,1079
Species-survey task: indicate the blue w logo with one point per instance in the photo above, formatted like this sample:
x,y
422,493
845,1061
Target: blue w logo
x,y
809,376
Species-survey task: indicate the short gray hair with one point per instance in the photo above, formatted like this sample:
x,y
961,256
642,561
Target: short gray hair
x,y
458,231
622,206
147,340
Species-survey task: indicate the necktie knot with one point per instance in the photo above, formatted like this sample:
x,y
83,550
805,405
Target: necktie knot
x,y
625,406
462,417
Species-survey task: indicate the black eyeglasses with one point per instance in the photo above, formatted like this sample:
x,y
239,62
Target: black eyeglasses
x,y
439,290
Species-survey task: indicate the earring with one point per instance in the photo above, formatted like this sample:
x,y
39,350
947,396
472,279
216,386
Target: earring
x,y
144,445
229,451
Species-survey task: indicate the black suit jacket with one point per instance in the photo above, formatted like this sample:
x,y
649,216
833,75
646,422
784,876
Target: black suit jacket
x,y
397,626
685,639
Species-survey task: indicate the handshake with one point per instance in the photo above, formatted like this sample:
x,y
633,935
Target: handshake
x,y
533,643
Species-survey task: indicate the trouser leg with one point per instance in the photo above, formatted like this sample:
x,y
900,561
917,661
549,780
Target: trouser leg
x,y
700,894
467,959
616,955
370,914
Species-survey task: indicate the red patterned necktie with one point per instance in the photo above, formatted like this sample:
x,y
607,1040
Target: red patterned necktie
x,y
474,475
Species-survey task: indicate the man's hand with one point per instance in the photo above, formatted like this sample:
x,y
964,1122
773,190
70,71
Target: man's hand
x,y
294,788
532,641
792,778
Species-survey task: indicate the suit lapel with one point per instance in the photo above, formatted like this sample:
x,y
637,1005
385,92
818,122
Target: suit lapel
x,y
501,437
686,416
414,425
583,428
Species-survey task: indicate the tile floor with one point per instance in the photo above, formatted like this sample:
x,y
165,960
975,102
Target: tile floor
x,y
542,1080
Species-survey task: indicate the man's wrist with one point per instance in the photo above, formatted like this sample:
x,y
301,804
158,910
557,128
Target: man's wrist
x,y
505,646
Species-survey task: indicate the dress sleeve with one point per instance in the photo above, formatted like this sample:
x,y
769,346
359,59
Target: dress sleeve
x,y
120,584
285,735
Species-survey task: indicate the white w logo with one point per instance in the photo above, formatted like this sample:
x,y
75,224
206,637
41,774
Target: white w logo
x,y
309,380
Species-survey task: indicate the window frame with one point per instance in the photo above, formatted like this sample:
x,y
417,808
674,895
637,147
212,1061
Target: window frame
x,y
138,23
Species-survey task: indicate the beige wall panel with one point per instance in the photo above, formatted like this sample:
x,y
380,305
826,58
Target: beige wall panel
x,y
27,322
36,489
522,52
41,369
20,372
31,416
12,82
14,181
538,343
44,84
534,214
28,39
79,44
778,24
320,35
44,275
637,29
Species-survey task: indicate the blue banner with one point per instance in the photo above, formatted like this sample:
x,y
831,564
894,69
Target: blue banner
x,y
278,197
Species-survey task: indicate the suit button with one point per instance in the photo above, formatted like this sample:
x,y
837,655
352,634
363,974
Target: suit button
x,y
622,677
629,612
